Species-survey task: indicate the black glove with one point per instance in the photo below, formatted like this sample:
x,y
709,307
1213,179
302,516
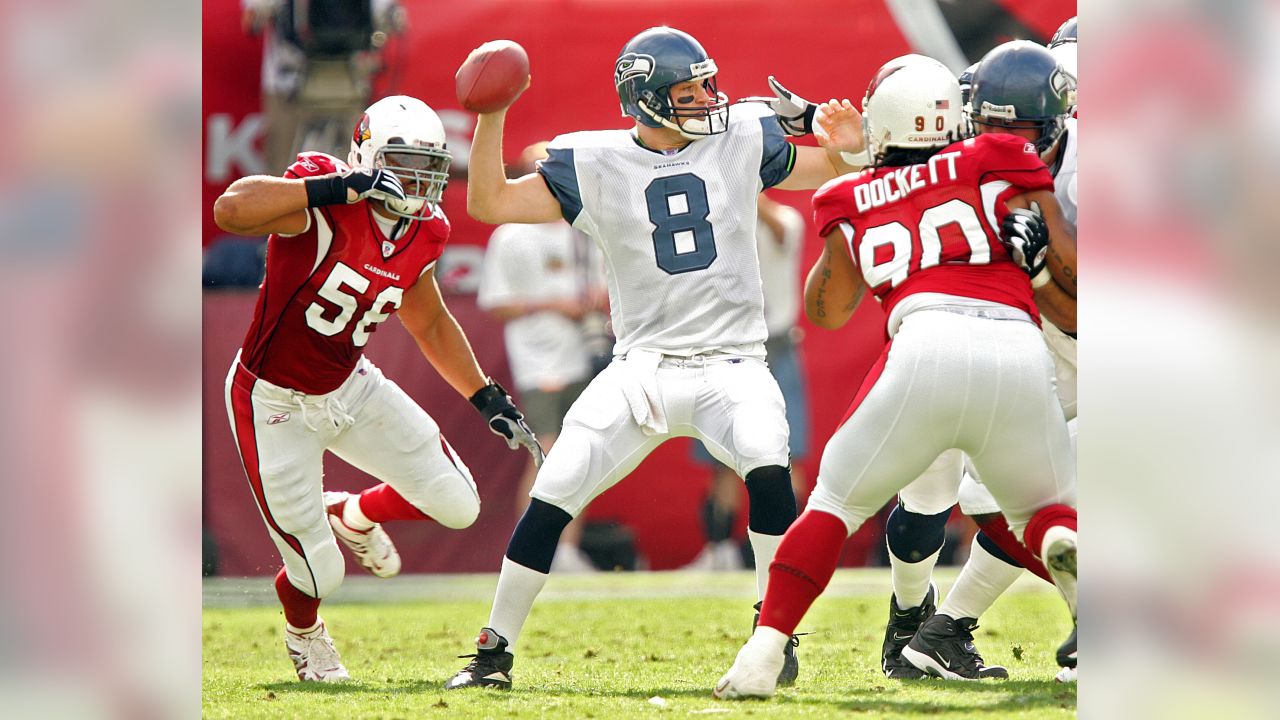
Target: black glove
x,y
1025,235
506,420
353,186
795,114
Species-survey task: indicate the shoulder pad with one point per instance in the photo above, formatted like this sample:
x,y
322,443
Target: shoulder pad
x,y
312,164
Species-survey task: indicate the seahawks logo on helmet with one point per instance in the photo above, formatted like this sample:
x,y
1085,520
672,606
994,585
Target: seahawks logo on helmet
x,y
632,65
1061,82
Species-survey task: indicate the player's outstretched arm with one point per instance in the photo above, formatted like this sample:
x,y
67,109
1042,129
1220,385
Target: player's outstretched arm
x,y
1062,238
491,197
439,337
441,340
834,288
262,204
840,133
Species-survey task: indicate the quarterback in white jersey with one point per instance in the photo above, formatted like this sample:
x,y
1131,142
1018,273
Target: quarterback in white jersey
x,y
672,205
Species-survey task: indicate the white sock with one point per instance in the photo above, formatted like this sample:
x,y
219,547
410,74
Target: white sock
x,y
911,579
518,587
984,578
764,547
773,641
354,517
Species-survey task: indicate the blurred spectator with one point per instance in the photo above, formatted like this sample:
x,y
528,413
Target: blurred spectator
x,y
541,281
317,65
779,243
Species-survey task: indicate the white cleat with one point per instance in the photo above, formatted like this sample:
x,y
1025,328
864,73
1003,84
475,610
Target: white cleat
x,y
1066,675
314,656
755,671
372,548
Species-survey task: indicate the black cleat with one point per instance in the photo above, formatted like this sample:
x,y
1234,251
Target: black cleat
x,y
490,665
790,663
902,626
1067,651
944,648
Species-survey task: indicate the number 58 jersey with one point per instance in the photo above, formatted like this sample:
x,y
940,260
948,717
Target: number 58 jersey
x,y
929,233
328,288
677,231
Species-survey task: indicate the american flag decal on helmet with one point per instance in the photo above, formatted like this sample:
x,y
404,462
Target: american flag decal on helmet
x,y
942,105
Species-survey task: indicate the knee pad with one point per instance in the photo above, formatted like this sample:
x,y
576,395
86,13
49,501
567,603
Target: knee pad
x,y
533,544
457,502
912,537
320,573
562,478
772,501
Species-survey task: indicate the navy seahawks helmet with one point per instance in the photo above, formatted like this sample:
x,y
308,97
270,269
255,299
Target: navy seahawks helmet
x,y
649,64
1066,33
1021,85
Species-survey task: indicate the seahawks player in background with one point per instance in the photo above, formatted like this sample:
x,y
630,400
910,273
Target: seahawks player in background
x,y
672,204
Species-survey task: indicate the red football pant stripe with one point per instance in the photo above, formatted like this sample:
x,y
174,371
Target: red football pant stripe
x,y
246,437
868,382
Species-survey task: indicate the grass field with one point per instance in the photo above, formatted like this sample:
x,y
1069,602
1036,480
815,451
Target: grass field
x,y
613,646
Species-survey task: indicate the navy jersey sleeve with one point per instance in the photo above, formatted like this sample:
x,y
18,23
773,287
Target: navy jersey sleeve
x,y
778,156
561,177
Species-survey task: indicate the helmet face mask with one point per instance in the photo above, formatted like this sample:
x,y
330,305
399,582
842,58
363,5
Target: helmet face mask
x,y
405,136
653,62
913,103
1020,85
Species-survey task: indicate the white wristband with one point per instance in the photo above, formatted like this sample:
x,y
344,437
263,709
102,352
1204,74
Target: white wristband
x,y
1042,279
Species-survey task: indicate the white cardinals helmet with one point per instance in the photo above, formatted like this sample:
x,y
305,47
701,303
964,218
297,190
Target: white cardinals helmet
x,y
913,102
402,134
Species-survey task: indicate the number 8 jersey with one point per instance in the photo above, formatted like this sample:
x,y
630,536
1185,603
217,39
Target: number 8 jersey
x,y
677,230
327,288
928,234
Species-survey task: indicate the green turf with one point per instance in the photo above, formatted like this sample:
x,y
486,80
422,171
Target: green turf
x,y
603,646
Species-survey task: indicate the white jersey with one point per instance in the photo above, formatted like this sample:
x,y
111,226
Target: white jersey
x,y
780,270
677,230
532,264
1064,188
1064,180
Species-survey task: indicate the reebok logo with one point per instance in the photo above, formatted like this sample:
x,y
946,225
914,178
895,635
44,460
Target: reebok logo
x,y
278,418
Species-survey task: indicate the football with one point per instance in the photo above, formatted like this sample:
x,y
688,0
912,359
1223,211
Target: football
x,y
492,76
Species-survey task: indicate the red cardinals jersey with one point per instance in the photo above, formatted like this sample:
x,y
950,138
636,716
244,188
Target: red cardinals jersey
x,y
327,289
934,227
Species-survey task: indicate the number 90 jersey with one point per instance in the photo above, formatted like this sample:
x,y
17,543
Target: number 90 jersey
x,y
932,230
327,288
677,230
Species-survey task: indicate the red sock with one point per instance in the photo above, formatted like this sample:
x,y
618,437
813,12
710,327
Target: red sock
x,y
381,503
801,569
1045,518
300,609
998,530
